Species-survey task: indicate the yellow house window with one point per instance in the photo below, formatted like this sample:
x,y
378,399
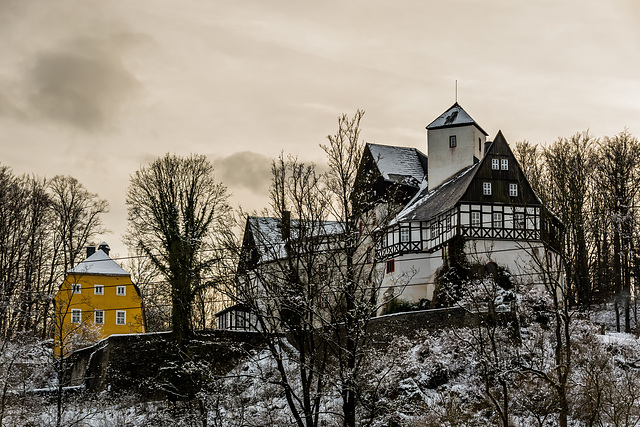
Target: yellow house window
x,y
76,315
76,288
121,317
98,290
121,290
99,317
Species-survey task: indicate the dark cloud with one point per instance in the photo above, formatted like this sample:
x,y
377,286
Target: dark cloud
x,y
82,84
245,170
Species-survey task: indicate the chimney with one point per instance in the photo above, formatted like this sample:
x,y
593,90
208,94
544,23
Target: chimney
x,y
104,247
91,249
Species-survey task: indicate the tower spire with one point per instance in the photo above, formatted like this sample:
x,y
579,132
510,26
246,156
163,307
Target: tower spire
x,y
456,91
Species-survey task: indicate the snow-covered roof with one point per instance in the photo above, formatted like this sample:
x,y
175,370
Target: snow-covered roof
x,y
99,263
454,116
399,164
427,204
267,233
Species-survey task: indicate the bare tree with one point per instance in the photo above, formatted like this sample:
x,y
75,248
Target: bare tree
x,y
177,215
619,183
354,273
570,163
282,279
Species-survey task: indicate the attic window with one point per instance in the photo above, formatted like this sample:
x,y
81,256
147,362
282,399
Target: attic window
x,y
495,164
486,188
480,145
452,141
504,164
513,190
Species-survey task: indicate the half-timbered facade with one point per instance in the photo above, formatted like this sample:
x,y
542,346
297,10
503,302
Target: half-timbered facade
x,y
485,199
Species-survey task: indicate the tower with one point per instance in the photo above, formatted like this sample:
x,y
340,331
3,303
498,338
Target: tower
x,y
454,142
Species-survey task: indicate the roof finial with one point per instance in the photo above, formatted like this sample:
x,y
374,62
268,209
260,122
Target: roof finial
x,y
456,91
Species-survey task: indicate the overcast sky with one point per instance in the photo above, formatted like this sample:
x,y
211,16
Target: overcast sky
x,y
94,89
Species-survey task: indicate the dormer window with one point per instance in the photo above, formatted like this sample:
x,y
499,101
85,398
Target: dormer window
x,y
453,142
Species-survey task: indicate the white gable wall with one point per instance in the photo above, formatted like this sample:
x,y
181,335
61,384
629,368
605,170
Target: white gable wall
x,y
445,161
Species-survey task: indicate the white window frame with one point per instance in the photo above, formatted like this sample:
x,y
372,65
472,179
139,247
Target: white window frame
x,y
495,164
504,164
76,288
121,317
498,220
476,219
405,235
98,289
98,317
76,315
513,190
486,188
435,230
121,290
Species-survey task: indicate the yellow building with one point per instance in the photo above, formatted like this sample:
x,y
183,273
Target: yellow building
x,y
96,299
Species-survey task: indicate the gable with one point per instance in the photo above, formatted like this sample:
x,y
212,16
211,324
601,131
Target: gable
x,y
500,178
388,174
455,116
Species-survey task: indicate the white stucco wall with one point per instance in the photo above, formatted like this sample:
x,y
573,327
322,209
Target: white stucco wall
x,y
415,274
445,161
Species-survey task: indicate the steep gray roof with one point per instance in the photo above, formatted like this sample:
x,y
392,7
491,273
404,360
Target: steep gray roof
x,y
267,234
99,263
399,164
428,204
453,117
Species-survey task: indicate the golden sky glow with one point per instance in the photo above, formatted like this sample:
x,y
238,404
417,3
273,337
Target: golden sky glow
x,y
95,88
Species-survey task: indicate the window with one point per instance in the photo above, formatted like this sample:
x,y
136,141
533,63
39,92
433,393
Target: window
x,y
121,290
452,141
98,317
76,315
476,220
504,164
240,321
480,145
98,290
497,220
404,234
76,288
486,188
495,164
121,317
518,220
391,266
435,230
513,190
